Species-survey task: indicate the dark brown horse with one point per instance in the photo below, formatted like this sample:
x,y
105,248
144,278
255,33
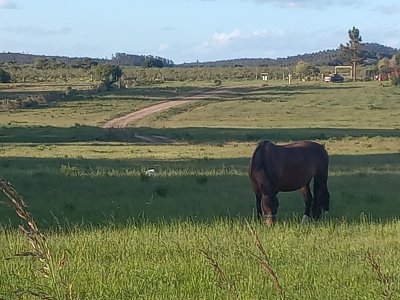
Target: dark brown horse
x,y
284,168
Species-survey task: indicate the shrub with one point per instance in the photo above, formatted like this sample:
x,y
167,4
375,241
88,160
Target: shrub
x,y
217,82
395,80
5,77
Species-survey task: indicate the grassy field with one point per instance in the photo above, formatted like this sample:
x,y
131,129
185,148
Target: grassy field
x,y
182,233
296,106
92,111
164,261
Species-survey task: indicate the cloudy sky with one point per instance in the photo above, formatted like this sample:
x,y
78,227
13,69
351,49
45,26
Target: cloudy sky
x,y
190,30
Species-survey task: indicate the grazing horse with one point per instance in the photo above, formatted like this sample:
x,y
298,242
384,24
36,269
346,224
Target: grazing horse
x,y
284,168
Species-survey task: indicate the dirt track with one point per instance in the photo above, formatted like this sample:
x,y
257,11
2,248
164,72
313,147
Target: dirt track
x,y
123,121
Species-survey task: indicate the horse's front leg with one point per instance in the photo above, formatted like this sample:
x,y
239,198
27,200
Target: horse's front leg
x,y
308,201
269,206
258,194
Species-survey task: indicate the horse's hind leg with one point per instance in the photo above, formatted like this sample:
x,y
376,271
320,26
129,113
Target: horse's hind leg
x,y
321,196
308,200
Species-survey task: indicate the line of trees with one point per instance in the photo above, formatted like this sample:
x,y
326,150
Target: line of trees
x,y
155,69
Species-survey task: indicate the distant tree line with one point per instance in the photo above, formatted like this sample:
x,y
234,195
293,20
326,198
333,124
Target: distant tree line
x,y
109,75
121,59
129,70
372,52
52,70
24,58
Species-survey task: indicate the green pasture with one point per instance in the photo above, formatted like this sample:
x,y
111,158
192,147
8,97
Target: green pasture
x,y
86,111
98,182
165,261
128,235
303,105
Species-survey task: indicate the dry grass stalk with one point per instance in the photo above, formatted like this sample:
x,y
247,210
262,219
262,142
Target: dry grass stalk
x,y
264,260
221,274
382,277
40,249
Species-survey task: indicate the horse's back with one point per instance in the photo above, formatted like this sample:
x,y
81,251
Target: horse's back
x,y
312,157
310,148
290,166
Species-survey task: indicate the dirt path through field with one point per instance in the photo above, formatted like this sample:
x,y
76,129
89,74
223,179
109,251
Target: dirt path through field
x,y
122,122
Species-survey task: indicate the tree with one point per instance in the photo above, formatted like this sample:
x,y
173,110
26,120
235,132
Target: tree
x,y
396,69
152,62
301,69
304,70
314,71
397,64
384,66
353,51
85,63
5,77
109,74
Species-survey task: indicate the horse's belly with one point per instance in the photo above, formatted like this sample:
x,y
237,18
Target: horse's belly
x,y
293,184
290,188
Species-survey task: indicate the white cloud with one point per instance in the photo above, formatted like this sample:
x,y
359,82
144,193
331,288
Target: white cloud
x,y
273,43
8,4
265,43
223,37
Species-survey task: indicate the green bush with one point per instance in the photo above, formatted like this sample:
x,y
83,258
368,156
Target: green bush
x,y
217,82
395,80
5,77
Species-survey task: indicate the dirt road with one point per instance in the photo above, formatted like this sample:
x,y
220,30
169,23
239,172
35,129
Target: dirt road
x,y
123,121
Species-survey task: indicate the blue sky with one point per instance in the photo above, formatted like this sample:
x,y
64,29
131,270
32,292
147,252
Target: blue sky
x,y
190,30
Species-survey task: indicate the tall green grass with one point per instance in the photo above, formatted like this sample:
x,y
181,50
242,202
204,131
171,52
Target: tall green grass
x,y
164,261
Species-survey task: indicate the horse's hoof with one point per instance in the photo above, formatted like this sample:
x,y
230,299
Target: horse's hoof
x,y
306,219
270,221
